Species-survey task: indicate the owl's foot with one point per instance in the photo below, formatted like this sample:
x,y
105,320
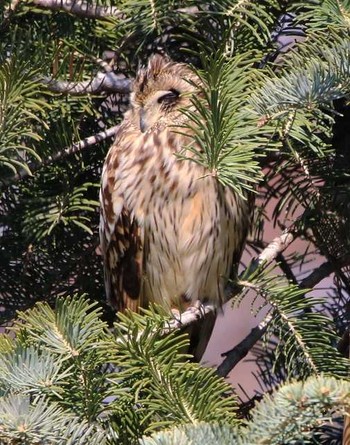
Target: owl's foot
x,y
193,313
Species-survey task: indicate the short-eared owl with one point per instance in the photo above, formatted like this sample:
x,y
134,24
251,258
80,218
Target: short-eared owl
x,y
170,232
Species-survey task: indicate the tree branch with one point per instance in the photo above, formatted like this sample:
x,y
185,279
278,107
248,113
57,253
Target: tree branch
x,y
103,82
199,310
8,13
277,246
85,9
80,8
235,355
322,272
192,314
241,349
75,148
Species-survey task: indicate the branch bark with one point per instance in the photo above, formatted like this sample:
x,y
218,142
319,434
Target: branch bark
x,y
103,82
277,246
192,314
75,148
236,354
80,8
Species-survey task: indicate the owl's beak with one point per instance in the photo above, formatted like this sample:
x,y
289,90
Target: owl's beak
x,y
143,125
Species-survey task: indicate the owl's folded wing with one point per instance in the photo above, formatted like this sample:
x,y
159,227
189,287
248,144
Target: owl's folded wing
x,y
121,241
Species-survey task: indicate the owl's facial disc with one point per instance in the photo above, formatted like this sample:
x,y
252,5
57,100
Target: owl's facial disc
x,y
160,103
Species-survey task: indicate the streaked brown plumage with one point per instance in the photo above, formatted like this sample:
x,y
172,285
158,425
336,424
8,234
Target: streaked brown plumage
x,y
170,233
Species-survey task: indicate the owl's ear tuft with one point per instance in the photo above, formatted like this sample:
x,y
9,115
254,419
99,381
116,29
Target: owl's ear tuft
x,y
157,63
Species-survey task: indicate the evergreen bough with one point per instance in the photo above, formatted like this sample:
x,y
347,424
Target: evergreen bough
x,y
264,111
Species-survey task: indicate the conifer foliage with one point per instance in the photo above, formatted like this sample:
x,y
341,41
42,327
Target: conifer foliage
x,y
271,118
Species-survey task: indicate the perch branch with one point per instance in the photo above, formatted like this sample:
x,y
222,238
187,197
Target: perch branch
x,y
199,310
192,314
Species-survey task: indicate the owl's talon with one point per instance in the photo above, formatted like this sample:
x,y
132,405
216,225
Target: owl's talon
x,y
176,314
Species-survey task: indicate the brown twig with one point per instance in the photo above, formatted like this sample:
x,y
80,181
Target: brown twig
x,y
75,148
236,354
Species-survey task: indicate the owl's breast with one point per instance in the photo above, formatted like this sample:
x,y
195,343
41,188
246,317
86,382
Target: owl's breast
x,y
150,173
193,227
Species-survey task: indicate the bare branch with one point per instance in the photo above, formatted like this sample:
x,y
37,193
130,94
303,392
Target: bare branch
x,y
241,350
286,269
75,148
236,354
317,275
84,143
80,8
103,82
277,246
322,272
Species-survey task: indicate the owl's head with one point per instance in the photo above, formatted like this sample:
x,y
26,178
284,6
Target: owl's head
x,y
160,91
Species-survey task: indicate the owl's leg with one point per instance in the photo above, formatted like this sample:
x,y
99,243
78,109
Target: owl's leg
x,y
198,321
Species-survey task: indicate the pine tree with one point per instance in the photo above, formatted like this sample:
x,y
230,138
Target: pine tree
x,y
275,78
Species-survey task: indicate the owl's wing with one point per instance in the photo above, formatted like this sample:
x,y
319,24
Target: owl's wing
x,y
121,241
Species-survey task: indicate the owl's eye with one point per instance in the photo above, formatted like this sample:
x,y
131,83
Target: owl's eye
x,y
170,97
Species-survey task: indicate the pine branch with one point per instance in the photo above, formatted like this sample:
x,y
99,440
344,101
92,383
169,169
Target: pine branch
x,y
236,354
162,378
103,83
295,413
275,247
94,11
296,410
75,148
81,8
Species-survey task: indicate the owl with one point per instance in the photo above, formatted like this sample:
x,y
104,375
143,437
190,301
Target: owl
x,y
170,233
